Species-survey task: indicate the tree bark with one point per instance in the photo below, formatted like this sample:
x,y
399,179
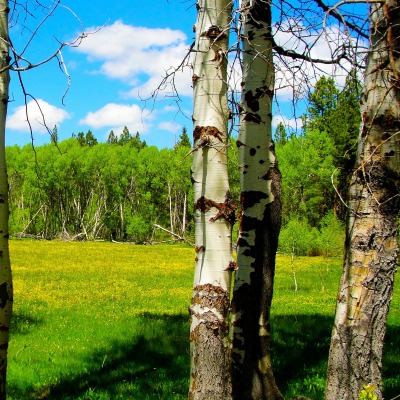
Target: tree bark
x,y
214,214
6,292
260,178
371,247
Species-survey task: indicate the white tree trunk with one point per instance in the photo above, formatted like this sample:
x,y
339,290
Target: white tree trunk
x,y
6,293
184,216
213,211
371,248
252,376
171,217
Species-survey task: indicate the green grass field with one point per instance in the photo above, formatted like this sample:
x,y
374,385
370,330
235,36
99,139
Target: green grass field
x,y
109,321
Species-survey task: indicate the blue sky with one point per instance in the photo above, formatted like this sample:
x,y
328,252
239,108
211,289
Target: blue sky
x,y
129,46
111,72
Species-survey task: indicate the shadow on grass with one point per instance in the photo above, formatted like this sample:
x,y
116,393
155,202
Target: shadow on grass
x,y
391,363
300,355
22,323
153,366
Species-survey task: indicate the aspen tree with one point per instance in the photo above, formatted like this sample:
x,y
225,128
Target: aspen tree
x,y
260,213
371,247
6,292
214,214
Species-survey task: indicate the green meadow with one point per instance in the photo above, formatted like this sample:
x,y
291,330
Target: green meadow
x,y
109,321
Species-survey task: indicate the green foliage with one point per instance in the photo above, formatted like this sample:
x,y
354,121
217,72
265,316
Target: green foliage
x,y
138,228
121,188
313,164
90,139
322,103
54,136
87,139
112,138
184,140
98,191
280,134
125,138
368,393
338,114
330,240
299,238
306,164
233,170
137,142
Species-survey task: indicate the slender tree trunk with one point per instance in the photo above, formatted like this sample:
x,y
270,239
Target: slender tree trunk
x,y
371,248
6,293
252,376
214,214
171,218
184,216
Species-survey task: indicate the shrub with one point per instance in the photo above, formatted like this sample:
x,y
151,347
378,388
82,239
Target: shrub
x,y
298,237
331,236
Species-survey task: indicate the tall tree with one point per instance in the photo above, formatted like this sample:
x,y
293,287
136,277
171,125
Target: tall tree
x,y
280,135
321,104
124,137
306,163
54,135
260,213
112,138
338,114
137,142
6,292
214,214
90,139
184,140
371,247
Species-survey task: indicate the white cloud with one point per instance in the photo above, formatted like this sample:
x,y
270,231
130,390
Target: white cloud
x,y
295,78
39,113
115,40
169,126
116,116
140,56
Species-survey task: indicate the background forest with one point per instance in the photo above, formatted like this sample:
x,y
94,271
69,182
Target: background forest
x,y
81,189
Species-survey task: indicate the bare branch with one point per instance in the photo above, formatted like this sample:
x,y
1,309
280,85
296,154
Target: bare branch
x,y
339,17
301,56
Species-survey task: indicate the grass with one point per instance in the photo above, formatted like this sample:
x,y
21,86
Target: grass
x,y
99,321
106,321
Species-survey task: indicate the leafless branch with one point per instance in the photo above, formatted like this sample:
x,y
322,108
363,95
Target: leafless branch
x,y
339,17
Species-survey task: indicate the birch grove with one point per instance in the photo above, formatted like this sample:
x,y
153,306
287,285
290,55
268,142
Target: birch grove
x,y
230,333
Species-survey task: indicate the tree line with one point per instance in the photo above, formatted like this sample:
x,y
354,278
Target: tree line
x,y
118,190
